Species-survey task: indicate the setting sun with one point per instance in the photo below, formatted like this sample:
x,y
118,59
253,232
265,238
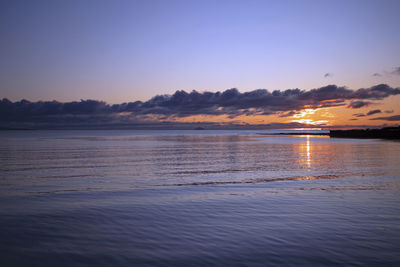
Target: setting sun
x,y
163,133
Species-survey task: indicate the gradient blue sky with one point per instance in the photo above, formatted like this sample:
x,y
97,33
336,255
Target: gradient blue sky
x,y
121,51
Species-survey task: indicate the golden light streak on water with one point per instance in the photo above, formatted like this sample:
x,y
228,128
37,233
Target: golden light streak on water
x,y
308,152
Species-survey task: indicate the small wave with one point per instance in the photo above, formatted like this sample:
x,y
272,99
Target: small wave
x,y
205,183
255,181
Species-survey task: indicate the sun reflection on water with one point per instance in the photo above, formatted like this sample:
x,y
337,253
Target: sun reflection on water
x,y
308,152
305,149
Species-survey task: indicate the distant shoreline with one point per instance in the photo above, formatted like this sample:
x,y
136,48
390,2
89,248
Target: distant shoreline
x,y
392,133
291,133
382,133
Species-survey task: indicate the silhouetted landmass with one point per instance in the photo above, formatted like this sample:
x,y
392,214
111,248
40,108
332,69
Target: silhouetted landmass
x,y
383,133
302,133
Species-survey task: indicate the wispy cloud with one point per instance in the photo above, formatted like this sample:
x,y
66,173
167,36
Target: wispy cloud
x,y
372,112
358,104
390,118
288,114
396,71
369,113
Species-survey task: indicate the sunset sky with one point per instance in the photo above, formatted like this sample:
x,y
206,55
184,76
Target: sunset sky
x,y
318,63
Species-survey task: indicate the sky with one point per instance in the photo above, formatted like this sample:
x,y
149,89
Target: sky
x,y
127,51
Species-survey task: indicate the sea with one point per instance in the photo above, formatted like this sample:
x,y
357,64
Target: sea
x,y
197,198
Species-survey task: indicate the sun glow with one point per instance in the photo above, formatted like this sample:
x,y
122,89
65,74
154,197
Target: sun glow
x,y
311,122
310,117
304,113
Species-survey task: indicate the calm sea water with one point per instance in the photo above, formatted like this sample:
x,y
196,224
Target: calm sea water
x,y
197,198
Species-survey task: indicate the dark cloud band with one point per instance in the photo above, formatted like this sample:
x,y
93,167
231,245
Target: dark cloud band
x,y
182,104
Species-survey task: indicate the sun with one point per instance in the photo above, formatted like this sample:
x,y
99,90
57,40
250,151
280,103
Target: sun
x,y
305,113
306,116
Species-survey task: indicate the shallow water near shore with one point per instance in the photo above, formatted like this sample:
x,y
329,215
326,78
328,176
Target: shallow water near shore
x,y
195,198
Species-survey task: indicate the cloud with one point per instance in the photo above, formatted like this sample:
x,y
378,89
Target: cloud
x,y
358,104
396,71
372,112
389,111
369,113
288,114
390,118
231,103
376,92
326,75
